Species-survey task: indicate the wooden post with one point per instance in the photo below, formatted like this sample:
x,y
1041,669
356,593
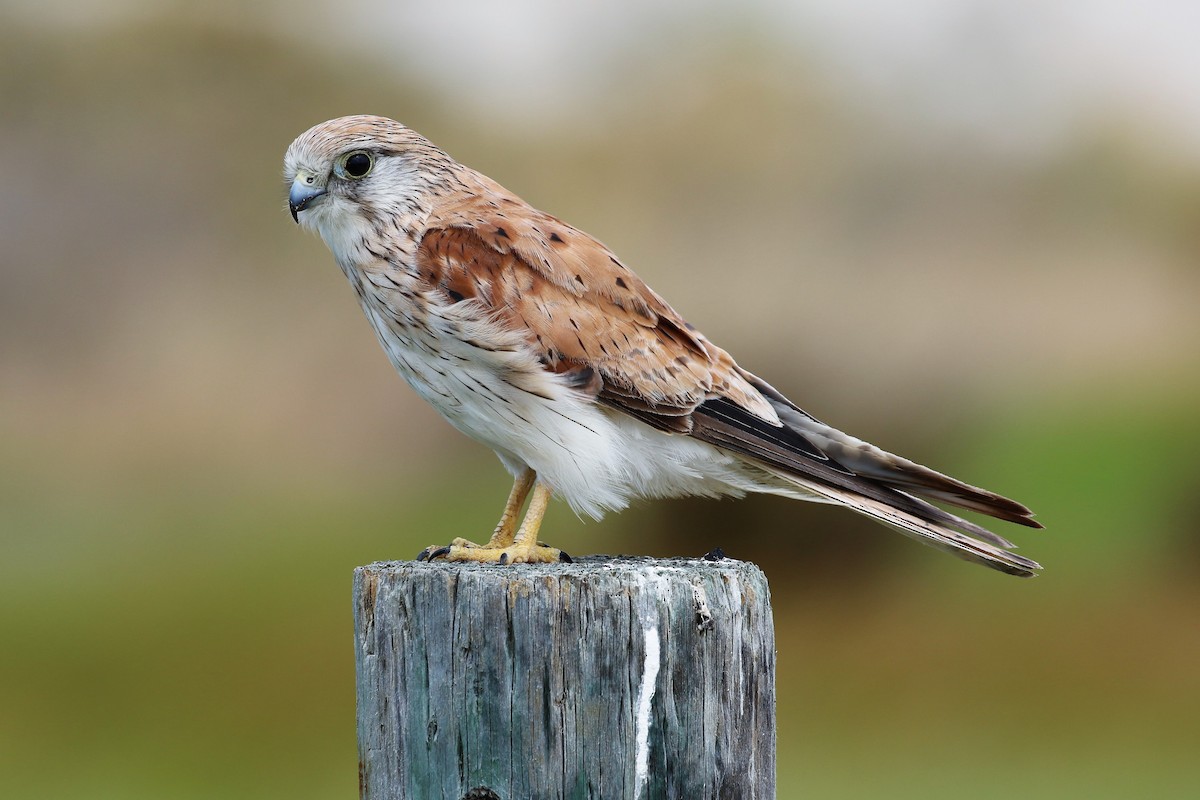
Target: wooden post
x,y
609,678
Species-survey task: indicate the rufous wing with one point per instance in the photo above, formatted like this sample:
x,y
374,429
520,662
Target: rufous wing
x,y
584,312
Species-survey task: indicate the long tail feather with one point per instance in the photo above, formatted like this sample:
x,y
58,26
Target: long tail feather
x,y
826,463
924,531
869,461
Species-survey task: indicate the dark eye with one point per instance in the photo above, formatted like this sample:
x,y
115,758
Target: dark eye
x,y
358,164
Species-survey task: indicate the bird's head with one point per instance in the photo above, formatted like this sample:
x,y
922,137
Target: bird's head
x,y
349,174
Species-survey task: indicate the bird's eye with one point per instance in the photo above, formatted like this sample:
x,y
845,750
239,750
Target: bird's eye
x,y
357,165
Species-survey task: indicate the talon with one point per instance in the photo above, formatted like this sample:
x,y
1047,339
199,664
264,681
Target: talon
x,y
504,558
716,554
423,555
564,558
441,551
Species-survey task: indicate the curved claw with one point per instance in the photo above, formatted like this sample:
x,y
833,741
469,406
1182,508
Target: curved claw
x,y
512,554
429,554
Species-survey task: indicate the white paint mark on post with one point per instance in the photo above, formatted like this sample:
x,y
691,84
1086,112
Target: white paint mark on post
x,y
645,696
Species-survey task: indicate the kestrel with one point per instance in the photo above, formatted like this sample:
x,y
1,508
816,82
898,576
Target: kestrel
x,y
532,337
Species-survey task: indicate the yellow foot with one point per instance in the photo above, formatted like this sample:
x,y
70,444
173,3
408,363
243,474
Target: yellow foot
x,y
462,550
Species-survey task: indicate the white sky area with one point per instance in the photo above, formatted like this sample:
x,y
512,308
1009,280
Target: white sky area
x,y
1021,72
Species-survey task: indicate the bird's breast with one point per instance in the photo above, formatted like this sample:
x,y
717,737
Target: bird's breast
x,y
488,383
480,376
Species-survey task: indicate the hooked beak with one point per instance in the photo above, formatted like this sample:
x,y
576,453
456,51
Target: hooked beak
x,y
305,192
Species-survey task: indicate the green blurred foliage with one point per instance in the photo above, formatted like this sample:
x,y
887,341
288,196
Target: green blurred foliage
x,y
199,441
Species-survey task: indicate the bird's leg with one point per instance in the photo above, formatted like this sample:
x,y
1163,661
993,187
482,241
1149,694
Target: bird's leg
x,y
507,526
526,537
508,545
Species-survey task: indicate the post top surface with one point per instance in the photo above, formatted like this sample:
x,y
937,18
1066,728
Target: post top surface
x,y
581,567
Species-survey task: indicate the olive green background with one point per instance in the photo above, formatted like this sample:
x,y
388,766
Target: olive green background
x,y
199,438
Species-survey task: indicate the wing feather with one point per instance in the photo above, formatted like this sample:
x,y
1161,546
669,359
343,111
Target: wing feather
x,y
581,308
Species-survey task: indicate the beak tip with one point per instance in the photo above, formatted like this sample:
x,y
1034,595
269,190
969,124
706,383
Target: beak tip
x,y
302,196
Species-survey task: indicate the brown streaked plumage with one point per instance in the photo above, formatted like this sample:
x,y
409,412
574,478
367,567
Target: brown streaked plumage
x,y
532,337
586,311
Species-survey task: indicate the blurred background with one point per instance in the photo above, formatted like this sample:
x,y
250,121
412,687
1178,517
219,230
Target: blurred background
x,y
965,231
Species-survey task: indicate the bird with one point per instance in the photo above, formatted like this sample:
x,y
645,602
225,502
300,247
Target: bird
x,y
533,338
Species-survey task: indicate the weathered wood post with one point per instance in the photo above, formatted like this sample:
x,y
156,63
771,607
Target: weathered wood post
x,y
608,678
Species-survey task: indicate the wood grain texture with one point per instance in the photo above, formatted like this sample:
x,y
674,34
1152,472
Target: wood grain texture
x,y
606,678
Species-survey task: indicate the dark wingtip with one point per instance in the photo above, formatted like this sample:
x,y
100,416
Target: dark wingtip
x,y
1024,567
